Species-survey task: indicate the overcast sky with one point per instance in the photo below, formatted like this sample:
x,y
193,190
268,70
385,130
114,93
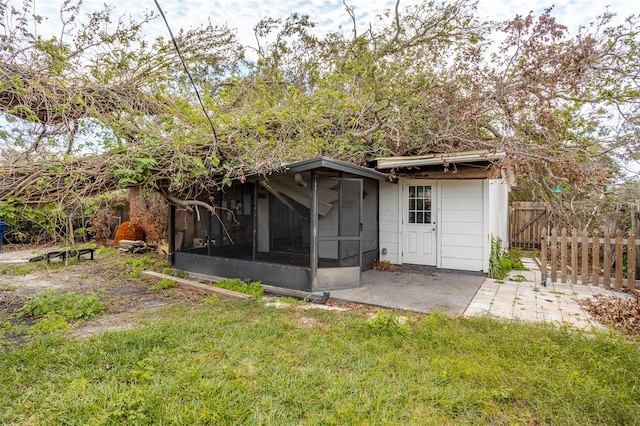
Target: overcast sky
x,y
243,15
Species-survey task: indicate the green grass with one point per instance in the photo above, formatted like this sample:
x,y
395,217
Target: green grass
x,y
163,284
236,284
245,363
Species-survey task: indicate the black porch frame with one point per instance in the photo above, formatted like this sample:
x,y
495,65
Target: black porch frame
x,y
209,261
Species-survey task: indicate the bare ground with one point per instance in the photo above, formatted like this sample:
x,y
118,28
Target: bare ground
x,y
127,299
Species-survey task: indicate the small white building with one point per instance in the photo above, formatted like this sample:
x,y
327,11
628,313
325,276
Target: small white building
x,y
443,209
315,225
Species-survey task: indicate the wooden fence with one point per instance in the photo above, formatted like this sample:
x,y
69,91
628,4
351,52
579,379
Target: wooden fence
x,y
608,261
526,221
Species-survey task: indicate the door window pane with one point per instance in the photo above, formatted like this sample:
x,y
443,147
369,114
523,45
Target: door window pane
x,y
419,204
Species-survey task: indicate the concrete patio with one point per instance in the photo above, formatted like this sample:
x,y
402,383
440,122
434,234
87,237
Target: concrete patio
x,y
520,297
418,289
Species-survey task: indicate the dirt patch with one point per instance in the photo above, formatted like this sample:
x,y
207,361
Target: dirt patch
x,y
127,298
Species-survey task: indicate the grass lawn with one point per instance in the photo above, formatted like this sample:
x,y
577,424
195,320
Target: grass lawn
x,y
249,363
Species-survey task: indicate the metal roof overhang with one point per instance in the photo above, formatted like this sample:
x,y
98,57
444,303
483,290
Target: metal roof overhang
x,y
334,165
438,158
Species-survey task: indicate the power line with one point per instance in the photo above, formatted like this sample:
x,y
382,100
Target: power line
x,y
184,65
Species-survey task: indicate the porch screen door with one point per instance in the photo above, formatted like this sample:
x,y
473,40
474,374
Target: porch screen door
x,y
419,236
339,246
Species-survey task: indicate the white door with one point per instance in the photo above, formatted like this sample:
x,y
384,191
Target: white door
x,y
419,229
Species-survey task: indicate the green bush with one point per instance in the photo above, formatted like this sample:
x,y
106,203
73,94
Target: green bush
x,y
69,306
236,284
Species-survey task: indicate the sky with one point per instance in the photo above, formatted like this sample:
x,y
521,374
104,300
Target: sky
x,y
243,15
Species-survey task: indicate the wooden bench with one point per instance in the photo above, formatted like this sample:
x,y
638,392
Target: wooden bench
x,y
63,254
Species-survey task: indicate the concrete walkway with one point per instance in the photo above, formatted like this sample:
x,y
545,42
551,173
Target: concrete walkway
x,y
522,297
23,256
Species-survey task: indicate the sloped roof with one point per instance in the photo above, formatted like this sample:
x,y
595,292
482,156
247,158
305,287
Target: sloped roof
x,y
334,165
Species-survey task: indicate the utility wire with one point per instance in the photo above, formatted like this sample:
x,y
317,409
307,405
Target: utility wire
x,y
184,65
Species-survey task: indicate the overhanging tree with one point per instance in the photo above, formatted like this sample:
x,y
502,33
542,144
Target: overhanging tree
x,y
429,78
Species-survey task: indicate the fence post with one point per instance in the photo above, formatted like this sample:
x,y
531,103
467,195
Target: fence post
x,y
554,255
619,262
606,252
584,271
595,254
543,254
636,231
563,256
631,259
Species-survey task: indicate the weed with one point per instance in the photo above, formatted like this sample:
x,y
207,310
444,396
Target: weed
x,y
16,270
212,300
163,284
8,287
68,306
49,324
518,278
386,322
291,301
501,262
175,272
139,263
236,284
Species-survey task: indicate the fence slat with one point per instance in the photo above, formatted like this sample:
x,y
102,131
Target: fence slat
x,y
574,256
606,246
543,254
583,256
619,263
554,255
584,271
563,256
631,259
596,259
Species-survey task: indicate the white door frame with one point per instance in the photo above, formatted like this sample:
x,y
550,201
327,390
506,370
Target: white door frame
x,y
433,230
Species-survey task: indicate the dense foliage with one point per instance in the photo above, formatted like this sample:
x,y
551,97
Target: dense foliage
x,y
100,106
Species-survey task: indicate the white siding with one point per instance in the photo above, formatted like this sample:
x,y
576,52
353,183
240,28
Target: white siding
x,y
462,226
498,210
389,222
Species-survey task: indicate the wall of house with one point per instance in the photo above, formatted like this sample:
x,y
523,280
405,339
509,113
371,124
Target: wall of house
x,y
389,222
462,235
498,210
369,215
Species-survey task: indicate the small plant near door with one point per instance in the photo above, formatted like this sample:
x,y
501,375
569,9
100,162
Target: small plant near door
x,y
502,262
